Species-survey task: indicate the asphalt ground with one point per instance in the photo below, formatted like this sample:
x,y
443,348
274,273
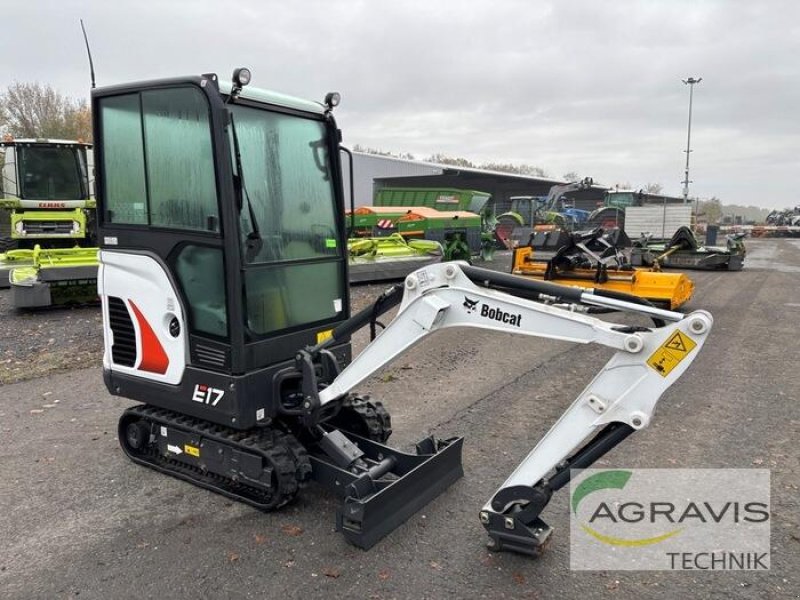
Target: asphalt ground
x,y
79,519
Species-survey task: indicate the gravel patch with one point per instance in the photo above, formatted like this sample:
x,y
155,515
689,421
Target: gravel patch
x,y
36,343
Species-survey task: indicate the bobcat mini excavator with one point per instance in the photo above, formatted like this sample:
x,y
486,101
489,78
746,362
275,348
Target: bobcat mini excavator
x,y
223,280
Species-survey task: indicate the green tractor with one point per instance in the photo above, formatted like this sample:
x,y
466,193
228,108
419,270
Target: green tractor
x,y
47,222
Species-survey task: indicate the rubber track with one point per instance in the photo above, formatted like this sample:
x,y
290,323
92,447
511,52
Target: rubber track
x,y
282,452
376,424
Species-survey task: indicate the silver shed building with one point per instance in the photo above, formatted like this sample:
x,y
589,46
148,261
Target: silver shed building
x,y
372,172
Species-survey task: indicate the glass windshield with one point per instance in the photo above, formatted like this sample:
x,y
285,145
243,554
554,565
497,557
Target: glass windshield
x,y
50,173
297,276
158,160
289,184
620,199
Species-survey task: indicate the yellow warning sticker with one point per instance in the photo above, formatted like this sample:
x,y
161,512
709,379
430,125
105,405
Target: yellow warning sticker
x,y
191,450
671,353
324,335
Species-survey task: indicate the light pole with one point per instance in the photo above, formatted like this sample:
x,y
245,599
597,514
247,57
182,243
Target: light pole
x,y
690,82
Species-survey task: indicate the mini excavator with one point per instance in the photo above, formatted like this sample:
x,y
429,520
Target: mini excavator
x,y
224,286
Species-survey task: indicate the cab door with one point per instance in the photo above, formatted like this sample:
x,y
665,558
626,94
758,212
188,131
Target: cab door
x,y
162,273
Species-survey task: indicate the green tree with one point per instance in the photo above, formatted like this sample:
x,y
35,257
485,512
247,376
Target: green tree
x,y
31,110
712,209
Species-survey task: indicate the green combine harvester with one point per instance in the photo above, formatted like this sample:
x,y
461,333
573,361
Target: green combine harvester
x,y
47,253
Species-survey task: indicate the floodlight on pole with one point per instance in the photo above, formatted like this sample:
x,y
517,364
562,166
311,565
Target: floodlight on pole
x,y
690,82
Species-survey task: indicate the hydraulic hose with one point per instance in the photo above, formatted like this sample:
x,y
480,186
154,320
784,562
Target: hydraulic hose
x,y
527,288
629,298
389,299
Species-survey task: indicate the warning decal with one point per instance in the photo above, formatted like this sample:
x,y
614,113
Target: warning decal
x,y
671,353
191,450
328,333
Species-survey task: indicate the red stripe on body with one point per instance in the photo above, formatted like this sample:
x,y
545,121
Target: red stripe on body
x,y
154,359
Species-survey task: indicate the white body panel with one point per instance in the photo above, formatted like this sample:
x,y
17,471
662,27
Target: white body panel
x,y
141,282
660,221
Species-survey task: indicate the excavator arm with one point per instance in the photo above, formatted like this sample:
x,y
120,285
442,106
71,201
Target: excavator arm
x,y
619,400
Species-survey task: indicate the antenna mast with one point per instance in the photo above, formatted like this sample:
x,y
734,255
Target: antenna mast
x,y
89,52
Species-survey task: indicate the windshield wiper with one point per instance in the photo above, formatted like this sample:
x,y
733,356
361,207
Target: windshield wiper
x,y
254,243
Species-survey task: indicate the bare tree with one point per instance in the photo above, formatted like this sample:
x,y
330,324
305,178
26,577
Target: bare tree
x,y
32,110
571,176
653,188
456,161
378,152
522,169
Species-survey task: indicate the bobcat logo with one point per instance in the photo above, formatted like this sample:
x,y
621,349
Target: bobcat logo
x,y
470,305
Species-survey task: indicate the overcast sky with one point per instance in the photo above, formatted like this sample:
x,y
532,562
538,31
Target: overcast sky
x,y
586,86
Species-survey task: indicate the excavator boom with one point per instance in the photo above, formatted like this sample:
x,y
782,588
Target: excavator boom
x,y
619,400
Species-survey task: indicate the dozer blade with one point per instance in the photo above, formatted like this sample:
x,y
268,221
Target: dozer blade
x,y
395,486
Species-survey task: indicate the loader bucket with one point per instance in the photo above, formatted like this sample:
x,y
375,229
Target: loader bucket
x,y
396,486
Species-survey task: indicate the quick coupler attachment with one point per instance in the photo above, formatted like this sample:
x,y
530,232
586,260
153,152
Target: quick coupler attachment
x,y
512,519
511,533
388,486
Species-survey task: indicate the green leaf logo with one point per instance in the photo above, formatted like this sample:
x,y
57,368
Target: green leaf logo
x,y
611,480
599,481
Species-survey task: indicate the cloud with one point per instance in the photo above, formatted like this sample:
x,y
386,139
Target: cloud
x,y
592,87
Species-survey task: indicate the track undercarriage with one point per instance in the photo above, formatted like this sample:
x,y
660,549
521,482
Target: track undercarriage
x,y
267,466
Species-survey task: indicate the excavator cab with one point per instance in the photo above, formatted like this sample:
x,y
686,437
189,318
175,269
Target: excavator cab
x,y
222,237
223,255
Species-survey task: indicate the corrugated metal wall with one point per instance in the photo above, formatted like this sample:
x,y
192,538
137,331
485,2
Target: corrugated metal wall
x,y
368,167
660,221
372,172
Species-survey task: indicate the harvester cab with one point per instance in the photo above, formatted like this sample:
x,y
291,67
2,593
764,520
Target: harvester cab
x,y
223,280
46,192
47,222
